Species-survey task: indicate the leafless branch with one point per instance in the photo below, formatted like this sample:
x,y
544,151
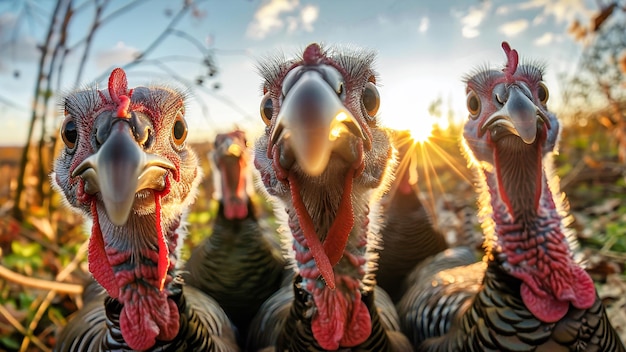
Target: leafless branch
x,y
16,324
100,6
39,283
17,211
155,43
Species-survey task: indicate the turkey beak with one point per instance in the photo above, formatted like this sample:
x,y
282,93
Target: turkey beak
x,y
119,170
313,121
519,115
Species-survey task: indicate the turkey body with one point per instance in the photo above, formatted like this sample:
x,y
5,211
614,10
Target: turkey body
x,y
478,307
529,293
407,233
241,263
96,327
125,166
275,325
322,158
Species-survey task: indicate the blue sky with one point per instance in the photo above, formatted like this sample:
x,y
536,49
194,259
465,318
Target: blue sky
x,y
424,50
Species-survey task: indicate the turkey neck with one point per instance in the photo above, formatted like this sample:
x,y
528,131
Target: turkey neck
x,y
341,318
528,234
324,211
132,253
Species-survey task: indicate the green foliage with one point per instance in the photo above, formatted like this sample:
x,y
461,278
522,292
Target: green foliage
x,y
26,257
9,343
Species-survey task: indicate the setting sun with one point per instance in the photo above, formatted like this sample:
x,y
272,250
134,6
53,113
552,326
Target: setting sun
x,y
422,131
420,128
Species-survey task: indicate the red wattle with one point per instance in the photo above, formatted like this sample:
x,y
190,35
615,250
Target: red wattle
x,y
164,253
147,317
306,224
234,198
340,321
99,265
544,307
337,238
585,289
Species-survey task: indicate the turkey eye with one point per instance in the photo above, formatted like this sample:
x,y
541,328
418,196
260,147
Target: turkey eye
x,y
371,99
473,104
267,109
179,131
69,133
542,93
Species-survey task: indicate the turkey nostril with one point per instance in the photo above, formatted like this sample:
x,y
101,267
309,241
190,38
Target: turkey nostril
x,y
340,90
145,138
102,134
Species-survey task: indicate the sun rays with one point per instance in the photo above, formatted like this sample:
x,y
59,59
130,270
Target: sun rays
x,y
430,156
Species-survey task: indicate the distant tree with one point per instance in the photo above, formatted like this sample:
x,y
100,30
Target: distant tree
x,y
598,88
53,73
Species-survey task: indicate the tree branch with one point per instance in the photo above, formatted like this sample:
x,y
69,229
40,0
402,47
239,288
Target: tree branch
x,y
155,43
20,279
17,211
16,324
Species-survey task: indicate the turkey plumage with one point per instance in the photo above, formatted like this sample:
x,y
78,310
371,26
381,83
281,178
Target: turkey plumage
x,y
240,263
529,293
126,167
323,158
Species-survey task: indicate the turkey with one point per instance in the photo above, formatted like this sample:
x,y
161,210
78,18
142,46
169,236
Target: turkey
x,y
323,157
241,263
407,232
126,167
529,293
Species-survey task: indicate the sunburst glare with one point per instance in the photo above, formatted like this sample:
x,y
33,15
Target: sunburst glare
x,y
421,129
427,150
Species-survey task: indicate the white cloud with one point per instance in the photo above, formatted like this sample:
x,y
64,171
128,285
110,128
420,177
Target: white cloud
x,y
22,48
562,10
503,10
539,20
468,32
118,55
308,16
514,28
424,24
545,39
275,15
472,20
292,24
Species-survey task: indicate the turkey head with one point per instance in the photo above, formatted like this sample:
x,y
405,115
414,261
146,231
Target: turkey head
x,y
322,155
232,160
126,166
511,136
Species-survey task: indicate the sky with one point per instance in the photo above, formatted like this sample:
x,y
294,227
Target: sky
x,y
425,48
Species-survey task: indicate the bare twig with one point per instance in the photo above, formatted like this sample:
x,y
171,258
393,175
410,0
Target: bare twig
x,y
619,256
58,48
16,324
17,211
155,43
47,300
39,283
571,175
89,40
201,48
